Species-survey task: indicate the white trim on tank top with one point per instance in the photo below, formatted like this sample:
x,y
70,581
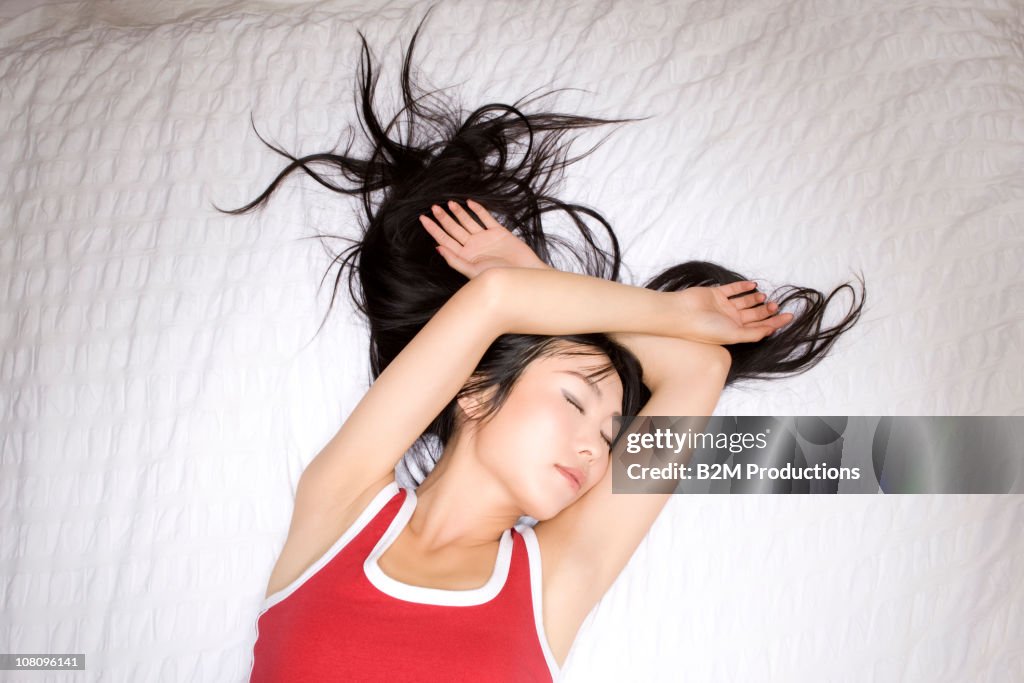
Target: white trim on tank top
x,y
433,596
375,506
474,596
536,590
371,510
498,577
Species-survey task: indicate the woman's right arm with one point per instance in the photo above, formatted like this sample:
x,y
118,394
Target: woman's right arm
x,y
416,386
361,457
402,402
564,303
552,302
421,380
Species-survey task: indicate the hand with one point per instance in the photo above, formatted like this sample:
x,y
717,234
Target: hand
x,y
710,316
471,248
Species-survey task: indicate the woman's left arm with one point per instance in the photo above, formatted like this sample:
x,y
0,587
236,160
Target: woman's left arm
x,y
589,543
586,546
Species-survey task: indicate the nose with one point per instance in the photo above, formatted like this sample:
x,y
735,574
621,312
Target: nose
x,y
590,447
589,442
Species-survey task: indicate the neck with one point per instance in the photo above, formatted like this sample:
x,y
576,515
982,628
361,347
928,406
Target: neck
x,y
460,506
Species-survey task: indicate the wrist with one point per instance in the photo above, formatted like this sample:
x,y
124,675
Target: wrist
x,y
676,321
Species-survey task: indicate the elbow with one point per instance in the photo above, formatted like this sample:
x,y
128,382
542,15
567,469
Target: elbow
x,y
718,364
687,361
488,296
720,359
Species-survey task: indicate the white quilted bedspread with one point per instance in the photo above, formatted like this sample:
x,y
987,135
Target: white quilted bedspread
x,y
158,398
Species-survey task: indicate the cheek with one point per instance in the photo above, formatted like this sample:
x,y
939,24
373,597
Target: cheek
x,y
535,429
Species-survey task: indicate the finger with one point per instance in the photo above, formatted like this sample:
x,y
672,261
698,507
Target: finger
x,y
439,235
759,313
486,218
778,321
749,300
456,262
450,225
756,333
735,288
773,323
464,218
759,333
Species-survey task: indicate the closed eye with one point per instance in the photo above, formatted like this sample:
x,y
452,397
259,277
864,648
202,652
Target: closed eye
x,y
578,407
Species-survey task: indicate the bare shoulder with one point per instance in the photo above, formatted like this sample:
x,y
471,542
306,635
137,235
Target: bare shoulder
x,y
314,530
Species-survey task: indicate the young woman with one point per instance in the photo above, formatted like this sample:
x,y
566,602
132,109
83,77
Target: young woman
x,y
513,371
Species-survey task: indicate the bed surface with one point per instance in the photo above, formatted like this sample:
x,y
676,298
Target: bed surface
x,y
160,395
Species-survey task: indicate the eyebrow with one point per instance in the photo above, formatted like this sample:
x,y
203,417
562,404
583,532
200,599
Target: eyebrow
x,y
591,383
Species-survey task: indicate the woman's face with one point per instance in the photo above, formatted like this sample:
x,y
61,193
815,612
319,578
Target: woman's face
x,y
553,428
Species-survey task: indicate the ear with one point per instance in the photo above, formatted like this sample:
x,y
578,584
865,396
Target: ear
x,y
470,406
473,404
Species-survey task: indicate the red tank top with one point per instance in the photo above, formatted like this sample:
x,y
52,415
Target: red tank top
x,y
343,619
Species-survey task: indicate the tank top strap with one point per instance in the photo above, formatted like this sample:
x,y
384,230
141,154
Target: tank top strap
x,y
374,521
358,538
529,575
340,623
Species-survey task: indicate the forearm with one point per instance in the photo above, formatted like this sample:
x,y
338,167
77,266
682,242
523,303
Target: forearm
x,y
669,359
664,358
551,302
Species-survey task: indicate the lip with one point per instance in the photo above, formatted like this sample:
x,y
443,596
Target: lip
x,y
574,475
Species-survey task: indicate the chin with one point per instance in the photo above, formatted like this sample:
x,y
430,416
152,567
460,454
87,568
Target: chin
x,y
553,506
545,517
545,497
542,505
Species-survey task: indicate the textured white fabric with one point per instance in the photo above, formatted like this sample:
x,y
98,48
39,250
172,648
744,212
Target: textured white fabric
x,y
158,398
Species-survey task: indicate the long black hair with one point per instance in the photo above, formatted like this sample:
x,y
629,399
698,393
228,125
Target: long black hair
x,y
510,162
